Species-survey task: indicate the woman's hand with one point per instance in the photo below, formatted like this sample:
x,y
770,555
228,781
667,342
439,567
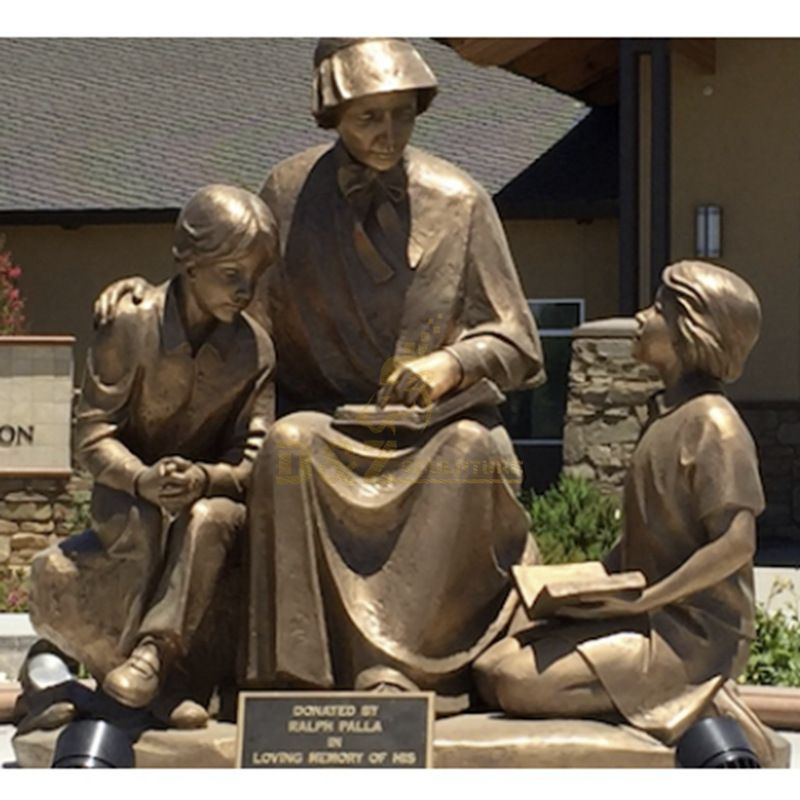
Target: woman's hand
x,y
421,381
105,307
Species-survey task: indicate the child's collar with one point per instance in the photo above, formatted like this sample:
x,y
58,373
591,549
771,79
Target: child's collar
x,y
173,333
688,386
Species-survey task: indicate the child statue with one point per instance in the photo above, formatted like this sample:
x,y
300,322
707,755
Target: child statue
x,y
692,495
177,398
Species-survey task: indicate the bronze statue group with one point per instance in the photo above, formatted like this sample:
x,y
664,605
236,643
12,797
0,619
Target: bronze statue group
x,y
372,273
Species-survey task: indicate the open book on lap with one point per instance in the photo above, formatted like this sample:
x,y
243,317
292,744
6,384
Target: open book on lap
x,y
546,588
368,415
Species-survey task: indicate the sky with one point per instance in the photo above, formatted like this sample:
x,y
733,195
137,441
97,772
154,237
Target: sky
x,y
405,18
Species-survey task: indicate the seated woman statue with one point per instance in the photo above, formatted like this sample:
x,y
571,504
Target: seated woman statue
x,y
691,498
380,556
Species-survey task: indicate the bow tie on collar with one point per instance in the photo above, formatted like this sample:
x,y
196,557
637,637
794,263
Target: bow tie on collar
x,y
366,188
379,235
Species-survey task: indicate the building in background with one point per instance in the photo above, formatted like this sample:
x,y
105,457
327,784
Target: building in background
x,y
607,158
708,166
103,141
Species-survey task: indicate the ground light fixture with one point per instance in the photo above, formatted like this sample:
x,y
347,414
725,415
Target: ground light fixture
x,y
715,742
93,743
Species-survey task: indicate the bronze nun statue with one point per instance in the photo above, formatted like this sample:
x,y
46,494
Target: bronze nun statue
x,y
379,555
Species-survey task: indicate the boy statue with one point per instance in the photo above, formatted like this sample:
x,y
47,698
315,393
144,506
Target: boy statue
x,y
177,398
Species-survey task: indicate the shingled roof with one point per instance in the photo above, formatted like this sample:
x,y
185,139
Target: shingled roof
x,y
130,124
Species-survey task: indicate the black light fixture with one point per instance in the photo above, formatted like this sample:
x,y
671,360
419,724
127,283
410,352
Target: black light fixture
x,y
93,743
715,742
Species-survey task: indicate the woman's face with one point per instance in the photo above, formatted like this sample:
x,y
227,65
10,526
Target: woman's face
x,y
653,344
376,129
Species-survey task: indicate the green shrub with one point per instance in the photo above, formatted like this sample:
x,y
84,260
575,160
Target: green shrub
x,y
574,521
14,590
775,653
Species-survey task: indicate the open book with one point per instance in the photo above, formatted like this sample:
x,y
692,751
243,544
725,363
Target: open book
x,y
482,393
545,588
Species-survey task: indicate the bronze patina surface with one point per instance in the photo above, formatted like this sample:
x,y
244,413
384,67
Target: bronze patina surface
x,y
381,556
465,741
176,399
379,546
692,495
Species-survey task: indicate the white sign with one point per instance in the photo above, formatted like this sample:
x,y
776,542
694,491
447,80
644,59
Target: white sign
x,y
36,385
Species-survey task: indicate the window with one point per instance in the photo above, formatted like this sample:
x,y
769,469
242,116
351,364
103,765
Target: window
x,y
536,416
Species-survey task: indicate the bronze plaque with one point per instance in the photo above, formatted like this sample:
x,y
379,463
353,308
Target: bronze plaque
x,y
334,729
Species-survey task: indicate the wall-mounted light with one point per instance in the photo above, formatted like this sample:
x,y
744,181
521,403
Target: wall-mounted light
x,y
708,231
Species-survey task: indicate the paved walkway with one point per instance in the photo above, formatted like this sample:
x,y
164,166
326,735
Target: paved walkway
x,y
6,750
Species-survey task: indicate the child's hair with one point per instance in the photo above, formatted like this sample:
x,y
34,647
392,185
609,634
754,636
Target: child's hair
x,y
719,318
223,222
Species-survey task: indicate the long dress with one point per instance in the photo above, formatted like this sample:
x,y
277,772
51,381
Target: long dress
x,y
385,549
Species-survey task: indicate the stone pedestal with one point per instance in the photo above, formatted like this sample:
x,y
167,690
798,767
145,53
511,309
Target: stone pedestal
x,y
36,380
41,500
607,403
467,740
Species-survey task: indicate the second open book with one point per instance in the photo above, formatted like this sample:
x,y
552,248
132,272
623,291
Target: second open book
x,y
546,588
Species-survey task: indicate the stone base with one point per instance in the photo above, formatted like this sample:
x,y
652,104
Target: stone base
x,y
210,747
491,740
467,740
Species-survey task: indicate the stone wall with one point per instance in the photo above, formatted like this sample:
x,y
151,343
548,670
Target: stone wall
x,y
39,496
607,407
607,402
34,512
